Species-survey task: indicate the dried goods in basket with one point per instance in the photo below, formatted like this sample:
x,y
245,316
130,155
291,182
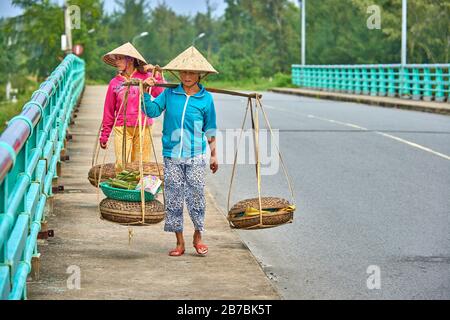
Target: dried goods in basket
x,y
275,212
109,171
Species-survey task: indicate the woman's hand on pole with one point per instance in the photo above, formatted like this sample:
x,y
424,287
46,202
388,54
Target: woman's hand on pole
x,y
102,145
156,69
147,68
151,81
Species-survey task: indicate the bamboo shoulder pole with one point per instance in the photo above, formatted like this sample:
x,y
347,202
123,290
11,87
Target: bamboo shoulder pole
x,y
214,90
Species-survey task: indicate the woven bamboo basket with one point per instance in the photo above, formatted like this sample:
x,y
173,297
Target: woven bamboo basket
x,y
130,213
125,195
278,215
109,171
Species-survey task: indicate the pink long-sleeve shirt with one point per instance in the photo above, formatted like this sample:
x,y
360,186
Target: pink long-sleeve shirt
x,y
114,99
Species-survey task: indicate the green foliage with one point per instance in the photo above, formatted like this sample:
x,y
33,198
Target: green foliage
x,y
8,109
252,84
36,37
259,38
94,35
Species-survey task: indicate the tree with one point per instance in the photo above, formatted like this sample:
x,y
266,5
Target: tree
x,y
253,39
259,38
170,34
93,35
37,33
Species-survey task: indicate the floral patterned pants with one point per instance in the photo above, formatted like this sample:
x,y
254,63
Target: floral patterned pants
x,y
184,179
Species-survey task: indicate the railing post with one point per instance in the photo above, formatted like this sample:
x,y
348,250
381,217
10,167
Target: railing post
x,y
309,83
448,83
331,79
321,83
382,88
345,82
440,96
350,80
416,95
315,78
405,83
392,92
357,81
427,84
373,81
299,75
338,79
365,83
304,77
296,76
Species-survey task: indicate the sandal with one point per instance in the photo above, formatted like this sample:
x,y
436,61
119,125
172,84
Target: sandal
x,y
176,252
202,249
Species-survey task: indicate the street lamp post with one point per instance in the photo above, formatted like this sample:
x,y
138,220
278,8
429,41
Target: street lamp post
x,y
141,35
404,90
404,31
8,83
68,28
302,4
201,35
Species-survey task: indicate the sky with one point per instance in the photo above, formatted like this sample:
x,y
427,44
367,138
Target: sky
x,y
179,6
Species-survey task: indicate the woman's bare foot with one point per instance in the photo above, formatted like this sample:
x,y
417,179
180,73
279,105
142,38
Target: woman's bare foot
x,y
198,245
179,250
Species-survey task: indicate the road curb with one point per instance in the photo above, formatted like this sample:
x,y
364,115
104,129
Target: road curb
x,y
423,106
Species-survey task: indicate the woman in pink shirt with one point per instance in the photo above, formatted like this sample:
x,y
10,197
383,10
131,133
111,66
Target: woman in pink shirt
x,y
130,65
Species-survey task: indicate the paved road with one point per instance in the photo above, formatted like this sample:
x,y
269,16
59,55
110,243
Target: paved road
x,y
372,187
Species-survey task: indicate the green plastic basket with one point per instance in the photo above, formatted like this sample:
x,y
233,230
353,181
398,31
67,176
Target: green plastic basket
x,y
125,195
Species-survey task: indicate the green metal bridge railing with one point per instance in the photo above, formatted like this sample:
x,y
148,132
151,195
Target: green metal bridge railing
x,y
417,81
30,151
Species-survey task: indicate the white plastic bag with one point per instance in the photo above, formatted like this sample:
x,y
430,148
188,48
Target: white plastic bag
x,y
151,184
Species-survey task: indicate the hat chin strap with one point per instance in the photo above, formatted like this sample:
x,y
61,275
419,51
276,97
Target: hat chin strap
x,y
126,65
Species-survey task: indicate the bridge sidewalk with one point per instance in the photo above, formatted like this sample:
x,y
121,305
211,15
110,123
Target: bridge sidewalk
x,y
110,267
426,106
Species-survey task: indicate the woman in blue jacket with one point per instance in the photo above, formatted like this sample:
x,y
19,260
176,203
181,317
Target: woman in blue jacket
x,y
189,124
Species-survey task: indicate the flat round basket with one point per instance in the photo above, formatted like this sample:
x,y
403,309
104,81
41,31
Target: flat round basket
x,y
130,213
278,211
109,171
125,195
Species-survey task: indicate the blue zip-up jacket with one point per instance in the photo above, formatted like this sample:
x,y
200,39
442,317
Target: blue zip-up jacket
x,y
188,120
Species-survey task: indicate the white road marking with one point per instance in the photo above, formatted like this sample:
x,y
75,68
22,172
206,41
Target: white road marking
x,y
351,125
415,145
339,122
409,143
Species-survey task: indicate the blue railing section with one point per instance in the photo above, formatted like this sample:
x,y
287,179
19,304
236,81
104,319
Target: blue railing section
x,y
429,82
30,149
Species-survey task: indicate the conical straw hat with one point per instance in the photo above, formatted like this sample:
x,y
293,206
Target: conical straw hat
x,y
126,50
190,60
